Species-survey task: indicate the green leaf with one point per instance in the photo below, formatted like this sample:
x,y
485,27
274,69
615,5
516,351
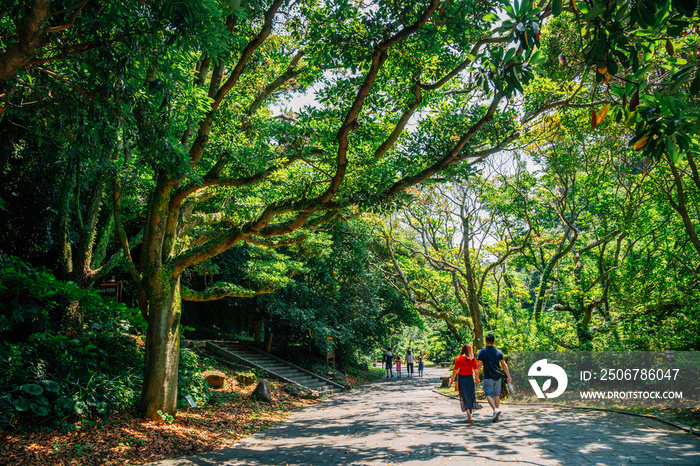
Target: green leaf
x,y
678,83
40,410
646,17
538,58
490,17
52,386
509,9
695,86
80,407
595,11
641,72
101,407
21,404
685,7
672,149
64,404
557,7
683,141
33,389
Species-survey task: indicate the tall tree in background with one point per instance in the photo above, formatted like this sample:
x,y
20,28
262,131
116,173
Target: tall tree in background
x,y
589,192
466,231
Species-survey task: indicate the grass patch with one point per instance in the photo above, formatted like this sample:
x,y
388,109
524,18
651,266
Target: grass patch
x,y
366,376
687,416
447,391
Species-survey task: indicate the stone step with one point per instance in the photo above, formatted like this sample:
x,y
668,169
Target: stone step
x,y
249,354
286,375
328,391
261,362
304,380
268,366
289,374
234,348
308,383
264,363
274,366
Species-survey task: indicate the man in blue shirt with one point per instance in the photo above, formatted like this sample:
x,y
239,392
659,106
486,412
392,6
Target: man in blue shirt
x,y
495,367
389,359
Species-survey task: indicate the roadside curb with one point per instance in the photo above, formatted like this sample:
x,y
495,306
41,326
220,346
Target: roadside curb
x,y
682,427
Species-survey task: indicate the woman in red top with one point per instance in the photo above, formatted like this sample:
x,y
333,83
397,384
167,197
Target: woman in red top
x,y
468,370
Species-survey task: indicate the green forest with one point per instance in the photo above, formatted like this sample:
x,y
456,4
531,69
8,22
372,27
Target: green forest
x,y
337,176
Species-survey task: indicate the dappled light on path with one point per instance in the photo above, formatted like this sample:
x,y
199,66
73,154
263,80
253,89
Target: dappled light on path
x,y
401,421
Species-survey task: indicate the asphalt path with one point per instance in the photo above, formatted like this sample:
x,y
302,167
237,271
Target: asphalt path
x,y
401,421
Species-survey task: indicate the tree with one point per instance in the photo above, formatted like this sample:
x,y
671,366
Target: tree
x,y
590,192
341,296
466,230
31,27
277,174
61,127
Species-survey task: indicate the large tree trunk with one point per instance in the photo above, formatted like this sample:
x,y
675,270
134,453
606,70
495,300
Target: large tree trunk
x,y
64,213
473,302
162,348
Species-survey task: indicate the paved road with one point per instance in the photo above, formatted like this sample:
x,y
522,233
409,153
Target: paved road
x,y
402,422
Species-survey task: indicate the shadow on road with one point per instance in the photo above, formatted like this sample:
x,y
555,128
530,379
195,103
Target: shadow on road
x,y
400,421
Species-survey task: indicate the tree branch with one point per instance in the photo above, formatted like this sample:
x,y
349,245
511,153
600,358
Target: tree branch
x,y
281,79
30,34
221,290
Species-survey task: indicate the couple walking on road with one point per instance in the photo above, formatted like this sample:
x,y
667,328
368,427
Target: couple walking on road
x,y
467,369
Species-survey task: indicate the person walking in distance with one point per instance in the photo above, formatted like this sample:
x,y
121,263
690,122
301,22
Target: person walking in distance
x,y
409,363
389,363
420,366
466,371
495,367
398,366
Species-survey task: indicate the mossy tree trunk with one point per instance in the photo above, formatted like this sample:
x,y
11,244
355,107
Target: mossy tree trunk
x,y
160,378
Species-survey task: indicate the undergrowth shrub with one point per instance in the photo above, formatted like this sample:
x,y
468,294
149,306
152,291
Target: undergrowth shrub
x,y
67,354
64,353
190,381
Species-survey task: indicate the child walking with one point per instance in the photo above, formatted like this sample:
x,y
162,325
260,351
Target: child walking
x,y
420,366
398,366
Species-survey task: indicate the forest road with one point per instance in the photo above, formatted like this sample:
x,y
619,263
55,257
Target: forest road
x,y
403,422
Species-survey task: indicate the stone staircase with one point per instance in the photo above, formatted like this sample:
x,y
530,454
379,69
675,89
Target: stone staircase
x,y
278,368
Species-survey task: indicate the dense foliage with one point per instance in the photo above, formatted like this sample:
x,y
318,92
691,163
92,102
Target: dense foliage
x,y
583,251
69,355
